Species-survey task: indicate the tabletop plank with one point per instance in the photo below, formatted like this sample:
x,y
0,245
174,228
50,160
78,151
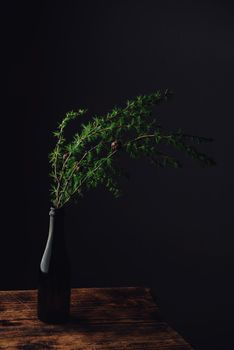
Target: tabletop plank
x,y
101,319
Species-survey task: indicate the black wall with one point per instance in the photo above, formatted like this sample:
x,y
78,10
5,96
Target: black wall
x,y
173,229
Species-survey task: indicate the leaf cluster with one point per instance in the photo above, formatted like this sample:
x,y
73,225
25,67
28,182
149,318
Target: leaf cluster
x,y
91,157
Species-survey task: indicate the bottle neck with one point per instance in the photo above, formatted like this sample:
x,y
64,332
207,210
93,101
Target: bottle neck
x,y
55,246
57,221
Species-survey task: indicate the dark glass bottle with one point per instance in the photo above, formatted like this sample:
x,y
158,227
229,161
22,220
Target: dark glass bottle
x,y
53,302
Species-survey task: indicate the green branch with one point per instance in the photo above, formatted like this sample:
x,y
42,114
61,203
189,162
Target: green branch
x,y
88,160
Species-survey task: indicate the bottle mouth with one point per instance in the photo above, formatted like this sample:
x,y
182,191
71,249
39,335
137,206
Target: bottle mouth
x,y
56,211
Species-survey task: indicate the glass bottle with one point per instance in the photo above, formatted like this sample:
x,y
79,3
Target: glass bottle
x,y
54,289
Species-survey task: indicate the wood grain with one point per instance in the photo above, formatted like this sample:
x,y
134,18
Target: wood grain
x,y
101,319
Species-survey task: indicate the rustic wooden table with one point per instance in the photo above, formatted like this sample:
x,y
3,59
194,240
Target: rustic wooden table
x,y
101,319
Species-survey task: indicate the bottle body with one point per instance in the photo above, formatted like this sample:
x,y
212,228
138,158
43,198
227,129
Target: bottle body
x,y
53,302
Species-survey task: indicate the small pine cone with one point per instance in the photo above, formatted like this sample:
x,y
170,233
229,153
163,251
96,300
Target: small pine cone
x,y
115,145
65,156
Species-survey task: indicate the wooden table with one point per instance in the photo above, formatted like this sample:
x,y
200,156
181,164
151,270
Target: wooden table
x,y
101,319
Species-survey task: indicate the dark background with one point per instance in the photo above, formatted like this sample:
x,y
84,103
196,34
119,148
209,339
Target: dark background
x,y
173,229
